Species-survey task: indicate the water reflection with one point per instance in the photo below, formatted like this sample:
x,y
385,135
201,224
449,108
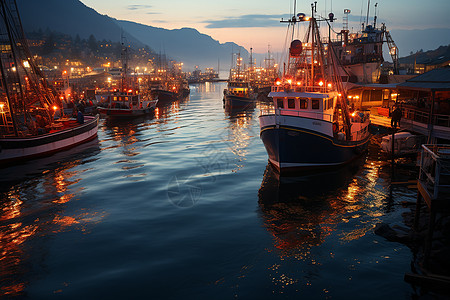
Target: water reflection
x,y
32,209
300,212
203,88
169,112
239,134
235,111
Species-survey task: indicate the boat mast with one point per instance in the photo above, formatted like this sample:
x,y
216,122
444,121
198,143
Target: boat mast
x,y
8,96
313,28
368,8
124,64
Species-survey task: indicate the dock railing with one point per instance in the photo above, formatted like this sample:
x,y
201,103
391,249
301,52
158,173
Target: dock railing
x,y
424,117
434,175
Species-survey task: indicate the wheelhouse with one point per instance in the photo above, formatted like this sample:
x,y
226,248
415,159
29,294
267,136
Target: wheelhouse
x,y
316,106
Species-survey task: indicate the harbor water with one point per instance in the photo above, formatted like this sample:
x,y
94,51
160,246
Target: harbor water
x,y
183,205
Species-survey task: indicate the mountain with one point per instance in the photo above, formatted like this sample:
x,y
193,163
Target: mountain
x,y
437,56
74,18
70,17
420,39
185,44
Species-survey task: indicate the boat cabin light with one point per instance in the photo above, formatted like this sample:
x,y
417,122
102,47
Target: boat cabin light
x,y
321,83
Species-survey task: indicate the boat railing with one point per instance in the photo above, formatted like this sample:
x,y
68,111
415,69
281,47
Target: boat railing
x,y
424,117
434,172
300,89
360,134
303,113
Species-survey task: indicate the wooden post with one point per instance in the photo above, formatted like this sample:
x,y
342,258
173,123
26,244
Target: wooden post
x,y
394,129
429,238
417,213
430,121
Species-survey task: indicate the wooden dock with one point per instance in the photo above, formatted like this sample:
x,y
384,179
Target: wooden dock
x,y
433,187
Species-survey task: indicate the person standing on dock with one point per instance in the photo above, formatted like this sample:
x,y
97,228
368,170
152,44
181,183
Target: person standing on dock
x,y
396,117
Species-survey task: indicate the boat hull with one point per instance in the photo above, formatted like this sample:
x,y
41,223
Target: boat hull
x,y
291,148
18,149
236,101
124,113
164,96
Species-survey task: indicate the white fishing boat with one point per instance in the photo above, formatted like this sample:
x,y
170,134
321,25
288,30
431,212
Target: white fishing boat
x,y
310,125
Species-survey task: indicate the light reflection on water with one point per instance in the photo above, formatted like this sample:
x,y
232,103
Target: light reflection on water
x,y
33,210
110,220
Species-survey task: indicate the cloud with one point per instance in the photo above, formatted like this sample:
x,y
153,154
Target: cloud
x,y
247,21
137,7
160,21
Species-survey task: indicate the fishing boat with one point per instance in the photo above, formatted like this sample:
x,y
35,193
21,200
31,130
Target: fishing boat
x,y
310,125
128,101
361,53
169,83
126,104
239,93
28,128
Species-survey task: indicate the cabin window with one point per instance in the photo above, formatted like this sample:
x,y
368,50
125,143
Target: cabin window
x,y
280,103
315,104
291,103
330,103
303,103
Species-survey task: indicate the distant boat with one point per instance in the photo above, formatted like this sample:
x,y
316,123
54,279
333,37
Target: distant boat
x,y
310,125
127,102
126,105
239,93
28,128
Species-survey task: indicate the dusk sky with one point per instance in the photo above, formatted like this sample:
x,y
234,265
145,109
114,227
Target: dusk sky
x,y
255,23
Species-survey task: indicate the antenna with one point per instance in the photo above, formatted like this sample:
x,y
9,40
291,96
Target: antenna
x,y
368,8
375,17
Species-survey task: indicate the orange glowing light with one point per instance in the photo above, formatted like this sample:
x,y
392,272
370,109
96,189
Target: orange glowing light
x,y
329,85
289,81
278,82
55,107
321,83
339,94
299,82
